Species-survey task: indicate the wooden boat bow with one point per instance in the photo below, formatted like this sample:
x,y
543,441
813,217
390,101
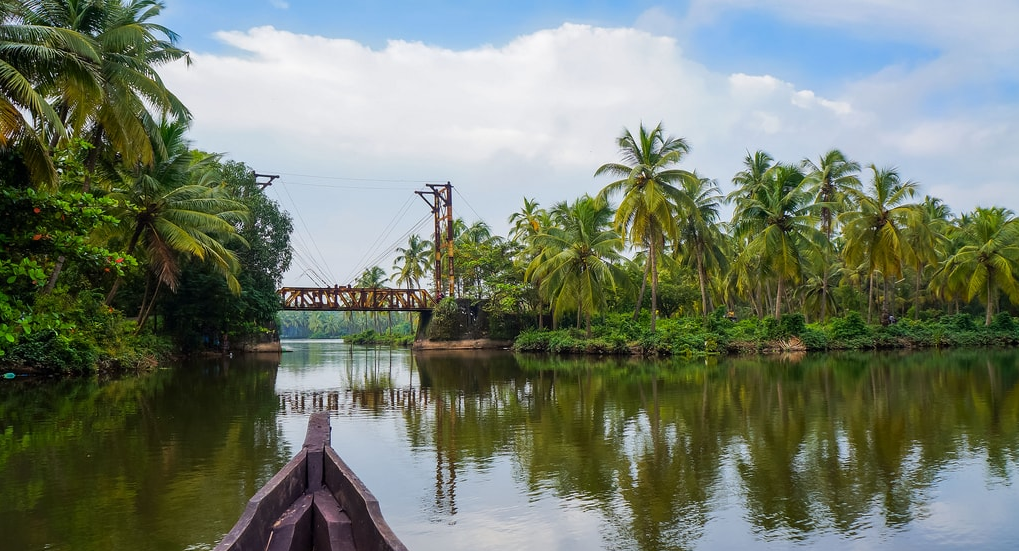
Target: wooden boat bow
x,y
314,503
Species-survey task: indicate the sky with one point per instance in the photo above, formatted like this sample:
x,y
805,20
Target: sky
x,y
357,104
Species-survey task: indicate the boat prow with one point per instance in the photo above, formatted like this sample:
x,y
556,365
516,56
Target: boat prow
x,y
314,503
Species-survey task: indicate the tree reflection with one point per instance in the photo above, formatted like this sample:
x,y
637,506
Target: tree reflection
x,y
802,446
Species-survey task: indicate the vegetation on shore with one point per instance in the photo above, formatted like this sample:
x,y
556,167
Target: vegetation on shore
x,y
121,243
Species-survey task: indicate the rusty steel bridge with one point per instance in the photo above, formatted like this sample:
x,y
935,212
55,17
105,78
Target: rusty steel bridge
x,y
356,299
344,298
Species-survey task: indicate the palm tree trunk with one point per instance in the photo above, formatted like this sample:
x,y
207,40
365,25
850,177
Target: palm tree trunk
x,y
640,295
778,298
148,310
886,301
870,299
916,296
702,277
654,284
824,290
990,302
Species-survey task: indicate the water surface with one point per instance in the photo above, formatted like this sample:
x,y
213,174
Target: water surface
x,y
478,450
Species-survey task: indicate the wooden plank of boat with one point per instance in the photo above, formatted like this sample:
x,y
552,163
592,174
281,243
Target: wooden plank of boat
x,y
314,503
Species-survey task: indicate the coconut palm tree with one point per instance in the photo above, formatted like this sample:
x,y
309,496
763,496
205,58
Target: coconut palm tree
x,y
130,47
830,181
700,238
874,229
372,278
926,233
413,262
178,208
988,261
776,221
33,58
579,260
648,181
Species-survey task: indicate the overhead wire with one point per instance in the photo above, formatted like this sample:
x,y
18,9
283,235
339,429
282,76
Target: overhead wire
x,y
316,271
315,266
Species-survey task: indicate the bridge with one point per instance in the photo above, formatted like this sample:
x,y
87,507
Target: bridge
x,y
356,299
378,299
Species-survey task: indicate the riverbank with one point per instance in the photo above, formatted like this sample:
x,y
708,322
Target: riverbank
x,y
721,336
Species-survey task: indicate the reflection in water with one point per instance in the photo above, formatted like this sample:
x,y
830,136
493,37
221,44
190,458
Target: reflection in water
x,y
822,449
490,450
162,461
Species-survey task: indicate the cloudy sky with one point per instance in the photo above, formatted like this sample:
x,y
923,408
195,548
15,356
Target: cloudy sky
x,y
356,104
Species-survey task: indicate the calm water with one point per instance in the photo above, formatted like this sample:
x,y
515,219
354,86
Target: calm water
x,y
493,451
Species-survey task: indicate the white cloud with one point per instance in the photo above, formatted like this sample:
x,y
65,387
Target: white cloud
x,y
280,4
535,117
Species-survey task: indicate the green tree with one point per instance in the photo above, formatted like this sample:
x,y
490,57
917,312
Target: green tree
x,y
178,208
989,258
830,181
412,262
776,221
372,278
875,229
699,234
130,47
579,264
33,59
648,182
926,234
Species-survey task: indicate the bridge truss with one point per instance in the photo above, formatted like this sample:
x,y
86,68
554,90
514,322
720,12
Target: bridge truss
x,y
356,299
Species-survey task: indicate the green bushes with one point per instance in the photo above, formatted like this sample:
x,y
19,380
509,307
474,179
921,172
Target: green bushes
x,y
692,336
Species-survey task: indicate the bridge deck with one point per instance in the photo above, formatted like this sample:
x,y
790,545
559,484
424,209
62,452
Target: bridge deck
x,y
356,299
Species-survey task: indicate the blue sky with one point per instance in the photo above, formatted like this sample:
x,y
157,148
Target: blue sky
x,y
358,103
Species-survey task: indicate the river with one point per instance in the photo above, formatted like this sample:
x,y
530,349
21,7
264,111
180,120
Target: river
x,y
473,450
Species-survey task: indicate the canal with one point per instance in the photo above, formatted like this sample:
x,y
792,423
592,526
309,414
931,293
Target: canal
x,y
472,450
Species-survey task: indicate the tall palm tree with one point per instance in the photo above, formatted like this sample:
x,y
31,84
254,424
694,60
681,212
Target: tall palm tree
x,y
746,181
699,232
875,229
648,181
527,221
130,47
372,278
989,259
178,208
830,181
776,221
413,262
926,233
579,263
32,60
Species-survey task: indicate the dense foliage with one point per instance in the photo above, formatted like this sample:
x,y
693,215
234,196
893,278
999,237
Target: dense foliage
x,y
118,237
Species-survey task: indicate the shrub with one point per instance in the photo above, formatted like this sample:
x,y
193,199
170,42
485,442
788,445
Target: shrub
x,y
792,325
1002,321
848,328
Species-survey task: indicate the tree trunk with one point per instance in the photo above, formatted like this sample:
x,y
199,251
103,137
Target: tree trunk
x,y
702,276
640,295
57,268
870,299
916,296
886,310
152,302
824,289
654,283
990,302
778,298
